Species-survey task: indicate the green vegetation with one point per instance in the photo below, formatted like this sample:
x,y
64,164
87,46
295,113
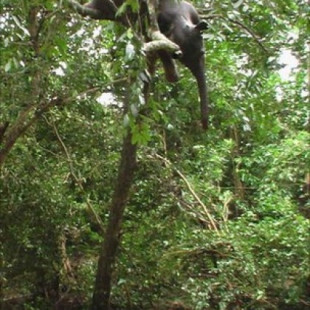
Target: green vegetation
x,y
216,220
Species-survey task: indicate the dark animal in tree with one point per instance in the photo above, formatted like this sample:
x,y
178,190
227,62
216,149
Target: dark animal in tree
x,y
180,23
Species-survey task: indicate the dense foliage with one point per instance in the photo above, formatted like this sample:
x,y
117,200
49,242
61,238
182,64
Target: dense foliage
x,y
216,220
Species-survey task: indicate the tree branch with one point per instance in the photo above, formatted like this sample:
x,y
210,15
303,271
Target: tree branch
x,y
160,42
76,179
192,191
86,11
242,26
23,122
157,40
108,11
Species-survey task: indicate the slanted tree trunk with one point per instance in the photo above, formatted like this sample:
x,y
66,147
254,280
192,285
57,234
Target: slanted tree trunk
x,y
108,253
37,104
154,40
9,133
101,296
126,170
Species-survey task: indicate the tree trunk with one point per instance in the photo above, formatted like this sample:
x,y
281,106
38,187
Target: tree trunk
x,y
11,132
101,296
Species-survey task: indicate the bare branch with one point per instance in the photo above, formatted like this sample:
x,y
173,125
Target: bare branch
x,y
85,11
192,191
76,179
23,122
108,12
254,36
242,26
160,42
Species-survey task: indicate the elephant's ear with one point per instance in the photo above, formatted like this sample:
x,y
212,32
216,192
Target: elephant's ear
x,y
202,25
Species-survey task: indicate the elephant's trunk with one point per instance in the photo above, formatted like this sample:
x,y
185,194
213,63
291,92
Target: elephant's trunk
x,y
200,76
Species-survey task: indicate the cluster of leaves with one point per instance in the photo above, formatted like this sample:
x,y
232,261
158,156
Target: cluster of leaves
x,y
248,169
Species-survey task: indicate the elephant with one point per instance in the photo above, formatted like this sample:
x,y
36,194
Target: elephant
x,y
180,23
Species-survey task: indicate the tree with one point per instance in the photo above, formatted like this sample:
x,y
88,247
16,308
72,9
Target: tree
x,y
216,220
